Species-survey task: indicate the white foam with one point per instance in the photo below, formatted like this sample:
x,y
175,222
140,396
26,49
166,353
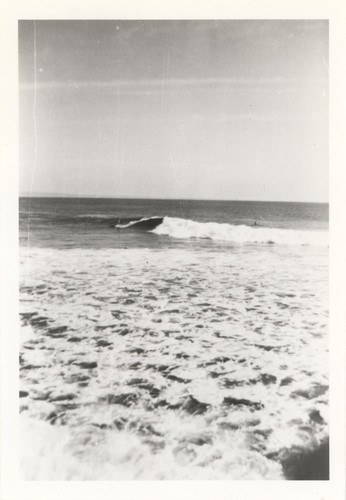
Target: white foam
x,y
185,228
214,322
63,453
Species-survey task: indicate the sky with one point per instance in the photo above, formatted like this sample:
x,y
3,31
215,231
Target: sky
x,y
233,110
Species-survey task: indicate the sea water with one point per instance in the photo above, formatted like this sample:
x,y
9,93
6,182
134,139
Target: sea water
x,y
171,339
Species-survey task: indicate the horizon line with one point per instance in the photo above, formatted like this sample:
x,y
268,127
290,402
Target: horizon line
x,y
127,197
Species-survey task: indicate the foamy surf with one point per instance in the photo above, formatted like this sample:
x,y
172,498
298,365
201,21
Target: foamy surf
x,y
238,234
67,453
172,364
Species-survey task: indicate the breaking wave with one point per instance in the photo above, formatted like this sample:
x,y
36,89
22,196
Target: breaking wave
x,y
237,234
144,224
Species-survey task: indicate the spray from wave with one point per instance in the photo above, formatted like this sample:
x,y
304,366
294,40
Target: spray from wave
x,y
236,234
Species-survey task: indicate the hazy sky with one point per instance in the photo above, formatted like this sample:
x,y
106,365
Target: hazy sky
x,y
179,109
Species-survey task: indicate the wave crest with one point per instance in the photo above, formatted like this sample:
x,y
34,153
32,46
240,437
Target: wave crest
x,y
144,224
239,234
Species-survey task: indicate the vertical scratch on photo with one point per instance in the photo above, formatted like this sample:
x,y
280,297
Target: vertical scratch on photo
x,y
164,70
80,168
163,115
99,140
116,142
172,163
325,65
33,171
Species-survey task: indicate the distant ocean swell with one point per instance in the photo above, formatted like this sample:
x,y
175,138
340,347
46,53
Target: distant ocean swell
x,y
237,234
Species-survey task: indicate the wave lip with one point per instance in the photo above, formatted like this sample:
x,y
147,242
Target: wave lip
x,y
144,224
238,234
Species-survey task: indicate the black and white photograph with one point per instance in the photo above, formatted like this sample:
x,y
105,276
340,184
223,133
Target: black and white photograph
x,y
174,249
173,263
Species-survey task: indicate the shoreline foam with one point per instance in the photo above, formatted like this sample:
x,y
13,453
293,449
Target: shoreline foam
x,y
193,363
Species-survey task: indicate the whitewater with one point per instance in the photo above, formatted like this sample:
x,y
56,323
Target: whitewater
x,y
237,234
193,363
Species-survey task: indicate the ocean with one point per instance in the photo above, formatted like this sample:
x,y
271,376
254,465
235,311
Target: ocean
x,y
173,339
